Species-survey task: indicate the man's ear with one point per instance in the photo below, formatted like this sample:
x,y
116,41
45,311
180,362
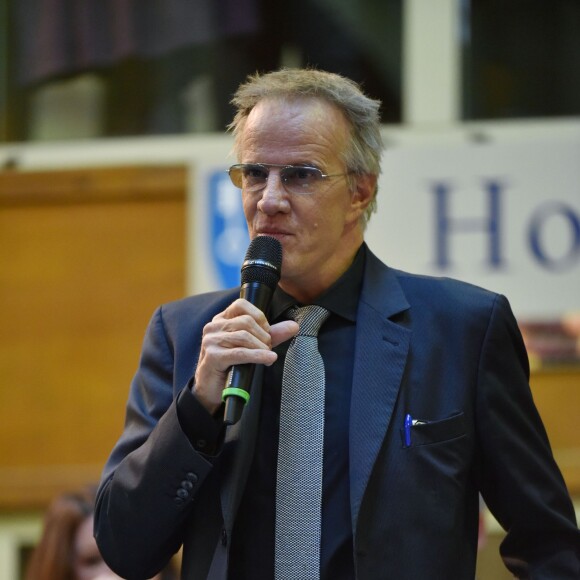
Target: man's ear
x,y
363,192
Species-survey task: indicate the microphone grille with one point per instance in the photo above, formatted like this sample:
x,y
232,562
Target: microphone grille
x,y
263,262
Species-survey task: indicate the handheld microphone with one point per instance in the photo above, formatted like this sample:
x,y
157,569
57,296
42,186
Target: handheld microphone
x,y
259,276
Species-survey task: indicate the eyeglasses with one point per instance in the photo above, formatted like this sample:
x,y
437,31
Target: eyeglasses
x,y
298,179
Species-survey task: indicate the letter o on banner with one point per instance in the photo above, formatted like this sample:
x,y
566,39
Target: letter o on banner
x,y
548,212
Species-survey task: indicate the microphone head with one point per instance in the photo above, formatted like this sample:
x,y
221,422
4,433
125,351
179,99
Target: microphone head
x,y
263,262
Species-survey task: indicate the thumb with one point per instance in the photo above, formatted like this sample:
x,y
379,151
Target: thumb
x,y
283,331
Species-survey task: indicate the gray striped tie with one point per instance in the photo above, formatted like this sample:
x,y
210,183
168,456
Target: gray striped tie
x,y
300,451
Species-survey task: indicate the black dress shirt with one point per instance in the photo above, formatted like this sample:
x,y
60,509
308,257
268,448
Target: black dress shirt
x,y
252,549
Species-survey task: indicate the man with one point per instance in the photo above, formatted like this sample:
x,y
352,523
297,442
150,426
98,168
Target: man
x,y
427,400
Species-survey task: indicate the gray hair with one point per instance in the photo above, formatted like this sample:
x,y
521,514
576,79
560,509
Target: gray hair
x,y
363,154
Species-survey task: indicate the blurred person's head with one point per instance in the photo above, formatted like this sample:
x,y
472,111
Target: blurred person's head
x,y
67,549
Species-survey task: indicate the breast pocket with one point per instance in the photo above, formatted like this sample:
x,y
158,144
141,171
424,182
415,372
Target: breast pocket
x,y
428,432
437,464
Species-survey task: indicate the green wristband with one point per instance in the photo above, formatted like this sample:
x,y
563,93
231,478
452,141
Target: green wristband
x,y
234,391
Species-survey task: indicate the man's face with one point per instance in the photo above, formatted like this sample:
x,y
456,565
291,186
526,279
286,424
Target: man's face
x,y
319,232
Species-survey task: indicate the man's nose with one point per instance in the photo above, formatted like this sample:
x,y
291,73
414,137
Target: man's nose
x,y
274,195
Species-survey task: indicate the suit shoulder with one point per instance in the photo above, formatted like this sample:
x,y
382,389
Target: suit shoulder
x,y
450,292
433,292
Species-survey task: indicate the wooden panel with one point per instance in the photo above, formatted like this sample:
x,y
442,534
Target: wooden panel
x,y
116,184
557,396
80,275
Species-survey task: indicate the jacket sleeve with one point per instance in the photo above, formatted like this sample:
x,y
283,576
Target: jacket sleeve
x,y
520,481
154,475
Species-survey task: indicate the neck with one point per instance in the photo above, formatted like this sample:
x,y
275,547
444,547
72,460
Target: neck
x,y
306,291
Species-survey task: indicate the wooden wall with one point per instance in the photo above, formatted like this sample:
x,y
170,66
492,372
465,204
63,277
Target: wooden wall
x,y
85,257
557,396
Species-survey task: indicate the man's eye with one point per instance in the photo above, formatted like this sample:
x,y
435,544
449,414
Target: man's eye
x,y
255,173
302,174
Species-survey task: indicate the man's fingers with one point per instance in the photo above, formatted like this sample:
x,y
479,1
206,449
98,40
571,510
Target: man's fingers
x,y
242,331
242,307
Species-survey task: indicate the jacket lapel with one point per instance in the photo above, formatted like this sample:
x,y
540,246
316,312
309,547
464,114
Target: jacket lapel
x,y
380,358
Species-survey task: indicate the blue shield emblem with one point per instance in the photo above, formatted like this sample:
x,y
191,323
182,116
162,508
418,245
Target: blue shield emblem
x,y
229,237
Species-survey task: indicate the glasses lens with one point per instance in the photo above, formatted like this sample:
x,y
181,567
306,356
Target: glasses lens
x,y
235,173
300,179
250,177
254,177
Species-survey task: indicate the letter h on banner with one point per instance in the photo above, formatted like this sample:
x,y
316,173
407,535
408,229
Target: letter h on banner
x,y
446,225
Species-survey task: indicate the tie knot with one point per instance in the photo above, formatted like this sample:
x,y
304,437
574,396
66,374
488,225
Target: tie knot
x,y
309,318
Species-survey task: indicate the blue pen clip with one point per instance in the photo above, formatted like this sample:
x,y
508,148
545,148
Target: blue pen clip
x,y
408,425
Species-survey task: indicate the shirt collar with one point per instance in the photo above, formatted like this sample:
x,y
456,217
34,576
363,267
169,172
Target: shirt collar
x,y
341,298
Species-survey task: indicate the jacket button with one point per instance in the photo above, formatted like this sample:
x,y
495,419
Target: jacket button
x,y
187,485
182,493
191,477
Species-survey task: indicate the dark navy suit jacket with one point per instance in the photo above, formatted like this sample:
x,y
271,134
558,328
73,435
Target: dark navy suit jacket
x,y
449,354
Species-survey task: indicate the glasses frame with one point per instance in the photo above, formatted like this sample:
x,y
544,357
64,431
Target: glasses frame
x,y
268,166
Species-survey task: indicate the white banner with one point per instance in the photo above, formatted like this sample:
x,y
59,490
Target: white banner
x,y
505,216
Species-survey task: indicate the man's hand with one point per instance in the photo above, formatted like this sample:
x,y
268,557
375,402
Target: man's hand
x,y
238,335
